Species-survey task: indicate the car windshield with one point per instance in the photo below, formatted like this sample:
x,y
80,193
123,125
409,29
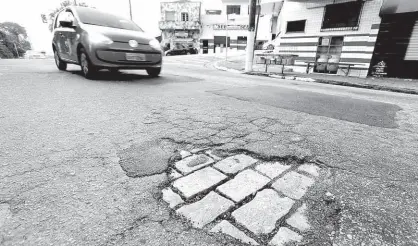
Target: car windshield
x,y
95,17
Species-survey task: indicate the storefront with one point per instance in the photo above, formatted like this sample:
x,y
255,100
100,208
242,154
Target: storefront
x,y
396,51
330,33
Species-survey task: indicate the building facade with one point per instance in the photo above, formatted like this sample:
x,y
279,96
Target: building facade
x,y
396,52
227,26
330,32
180,23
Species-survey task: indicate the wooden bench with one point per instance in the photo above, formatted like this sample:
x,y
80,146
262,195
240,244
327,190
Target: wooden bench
x,y
346,66
276,59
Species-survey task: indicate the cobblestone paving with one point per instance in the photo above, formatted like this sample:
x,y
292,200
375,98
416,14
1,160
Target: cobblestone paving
x,y
256,202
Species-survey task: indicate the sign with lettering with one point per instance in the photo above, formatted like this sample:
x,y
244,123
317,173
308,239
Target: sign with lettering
x,y
230,27
380,69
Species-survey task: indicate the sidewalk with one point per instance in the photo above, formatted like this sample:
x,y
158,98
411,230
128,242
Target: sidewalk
x,y
408,86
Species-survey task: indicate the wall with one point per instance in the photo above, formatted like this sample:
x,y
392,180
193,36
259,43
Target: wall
x,y
358,44
193,8
191,27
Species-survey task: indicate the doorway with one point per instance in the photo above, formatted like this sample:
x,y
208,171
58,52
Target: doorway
x,y
205,46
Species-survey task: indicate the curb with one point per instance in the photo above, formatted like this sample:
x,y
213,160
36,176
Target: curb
x,y
321,81
216,65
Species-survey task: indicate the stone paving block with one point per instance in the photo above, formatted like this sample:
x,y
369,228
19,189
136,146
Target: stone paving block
x,y
243,185
293,185
234,164
198,181
206,210
172,198
174,175
299,220
185,154
285,236
193,163
227,228
261,214
272,169
213,155
312,169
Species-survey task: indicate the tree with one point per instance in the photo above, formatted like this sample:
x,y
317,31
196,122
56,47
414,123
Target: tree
x,y
63,4
13,40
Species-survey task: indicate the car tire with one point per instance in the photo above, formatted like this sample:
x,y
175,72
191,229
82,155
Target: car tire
x,y
60,64
88,70
168,54
154,72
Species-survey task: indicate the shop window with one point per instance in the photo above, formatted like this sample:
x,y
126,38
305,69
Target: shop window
x,y
233,9
170,15
184,17
328,54
296,26
342,16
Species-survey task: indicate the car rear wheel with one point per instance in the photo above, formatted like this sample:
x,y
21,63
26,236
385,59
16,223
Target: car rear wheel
x,y
154,72
60,64
86,67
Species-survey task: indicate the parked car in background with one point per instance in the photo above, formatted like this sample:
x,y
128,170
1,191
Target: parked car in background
x,y
180,49
97,40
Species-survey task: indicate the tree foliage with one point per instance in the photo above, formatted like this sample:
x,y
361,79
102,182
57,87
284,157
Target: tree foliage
x,y
63,4
13,40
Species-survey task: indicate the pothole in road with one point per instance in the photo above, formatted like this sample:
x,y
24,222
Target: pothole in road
x,y
257,202
146,158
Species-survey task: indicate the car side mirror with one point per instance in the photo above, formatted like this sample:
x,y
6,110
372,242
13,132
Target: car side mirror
x,y
69,24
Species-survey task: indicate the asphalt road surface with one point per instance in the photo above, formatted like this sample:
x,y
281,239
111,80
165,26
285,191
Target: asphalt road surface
x,y
82,162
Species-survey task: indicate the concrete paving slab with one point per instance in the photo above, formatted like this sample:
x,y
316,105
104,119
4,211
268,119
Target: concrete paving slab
x,y
293,185
172,198
285,236
299,220
234,164
227,228
243,185
206,210
198,181
261,214
312,169
174,175
193,163
272,169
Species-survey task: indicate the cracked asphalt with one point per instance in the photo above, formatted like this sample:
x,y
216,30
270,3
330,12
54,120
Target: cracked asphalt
x,y
83,162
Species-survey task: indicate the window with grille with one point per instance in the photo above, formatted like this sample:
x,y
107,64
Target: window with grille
x,y
342,16
170,15
233,9
184,16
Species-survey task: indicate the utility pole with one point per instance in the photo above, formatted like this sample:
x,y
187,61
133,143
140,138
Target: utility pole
x,y
258,9
130,8
250,37
75,2
226,38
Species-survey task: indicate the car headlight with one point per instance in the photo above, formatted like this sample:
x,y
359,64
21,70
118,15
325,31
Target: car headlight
x,y
98,38
155,44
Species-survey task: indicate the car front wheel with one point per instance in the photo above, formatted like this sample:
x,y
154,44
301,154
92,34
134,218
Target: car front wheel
x,y
154,72
60,64
86,67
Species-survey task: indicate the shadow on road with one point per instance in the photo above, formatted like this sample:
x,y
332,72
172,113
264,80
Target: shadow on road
x,y
132,77
117,76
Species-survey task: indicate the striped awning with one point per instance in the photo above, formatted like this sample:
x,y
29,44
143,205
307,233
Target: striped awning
x,y
398,6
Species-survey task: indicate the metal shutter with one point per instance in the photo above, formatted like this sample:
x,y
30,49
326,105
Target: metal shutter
x,y
412,51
